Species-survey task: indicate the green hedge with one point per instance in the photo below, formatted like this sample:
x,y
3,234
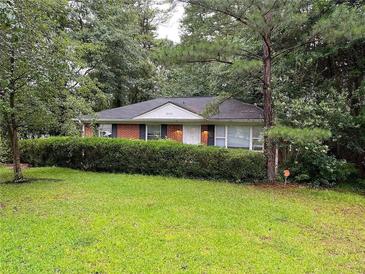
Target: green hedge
x,y
152,157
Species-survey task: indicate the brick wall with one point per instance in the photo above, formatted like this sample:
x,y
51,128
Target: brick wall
x,y
88,130
175,132
128,131
204,135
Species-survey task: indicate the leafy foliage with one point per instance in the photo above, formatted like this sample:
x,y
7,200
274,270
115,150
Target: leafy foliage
x,y
299,135
306,156
311,163
322,84
124,33
5,154
153,157
318,62
60,59
41,64
334,30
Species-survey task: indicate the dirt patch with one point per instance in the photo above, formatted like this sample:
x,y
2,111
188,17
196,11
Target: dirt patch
x,y
277,185
23,165
31,180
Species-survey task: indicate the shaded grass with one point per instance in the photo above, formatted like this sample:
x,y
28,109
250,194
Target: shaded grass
x,y
112,223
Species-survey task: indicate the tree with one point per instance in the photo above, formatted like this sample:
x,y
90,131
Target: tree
x,y
323,84
268,23
25,53
238,34
41,80
124,32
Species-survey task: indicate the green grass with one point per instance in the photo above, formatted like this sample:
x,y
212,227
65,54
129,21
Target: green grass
x,y
114,223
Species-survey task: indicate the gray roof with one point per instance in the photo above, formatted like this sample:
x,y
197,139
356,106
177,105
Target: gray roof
x,y
229,109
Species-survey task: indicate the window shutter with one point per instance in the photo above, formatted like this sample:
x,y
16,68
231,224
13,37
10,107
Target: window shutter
x,y
142,131
163,131
210,135
114,131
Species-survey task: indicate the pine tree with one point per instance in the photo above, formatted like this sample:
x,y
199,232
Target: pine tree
x,y
268,23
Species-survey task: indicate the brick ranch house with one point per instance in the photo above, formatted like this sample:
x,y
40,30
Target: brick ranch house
x,y
234,124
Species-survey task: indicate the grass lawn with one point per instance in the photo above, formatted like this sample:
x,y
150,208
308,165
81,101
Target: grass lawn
x,y
86,222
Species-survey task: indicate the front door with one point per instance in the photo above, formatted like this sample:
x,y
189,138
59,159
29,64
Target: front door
x,y
191,134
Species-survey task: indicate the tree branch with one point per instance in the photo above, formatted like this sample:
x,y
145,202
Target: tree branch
x,y
251,54
88,70
289,49
243,20
270,9
211,60
20,77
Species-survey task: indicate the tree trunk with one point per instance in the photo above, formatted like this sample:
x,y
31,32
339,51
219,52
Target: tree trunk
x,y
14,142
269,147
13,138
12,125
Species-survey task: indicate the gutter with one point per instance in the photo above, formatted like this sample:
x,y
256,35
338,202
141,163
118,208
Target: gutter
x,y
205,121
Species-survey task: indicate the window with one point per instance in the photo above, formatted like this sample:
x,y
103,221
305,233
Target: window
x,y
257,138
105,130
153,132
220,136
246,137
238,136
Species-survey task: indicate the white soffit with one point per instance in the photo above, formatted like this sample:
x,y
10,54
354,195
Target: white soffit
x,y
169,111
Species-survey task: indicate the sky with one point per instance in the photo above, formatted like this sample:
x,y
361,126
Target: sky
x,y
170,29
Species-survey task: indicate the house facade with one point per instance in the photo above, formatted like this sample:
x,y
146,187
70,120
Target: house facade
x,y
190,120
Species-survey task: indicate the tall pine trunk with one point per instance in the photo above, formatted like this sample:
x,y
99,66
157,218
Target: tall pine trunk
x,y
269,147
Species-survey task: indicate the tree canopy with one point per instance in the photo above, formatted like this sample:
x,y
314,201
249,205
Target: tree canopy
x,y
317,61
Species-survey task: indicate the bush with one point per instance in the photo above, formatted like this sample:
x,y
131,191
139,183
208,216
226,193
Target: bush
x,y
307,157
312,164
152,157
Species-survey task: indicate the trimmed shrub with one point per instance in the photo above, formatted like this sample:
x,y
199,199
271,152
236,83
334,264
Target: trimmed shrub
x,y
152,157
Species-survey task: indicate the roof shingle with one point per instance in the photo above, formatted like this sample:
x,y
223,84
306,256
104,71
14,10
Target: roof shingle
x,y
230,109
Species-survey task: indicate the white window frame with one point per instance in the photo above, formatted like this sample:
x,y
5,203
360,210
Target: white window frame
x,y
146,133
255,139
250,146
226,136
